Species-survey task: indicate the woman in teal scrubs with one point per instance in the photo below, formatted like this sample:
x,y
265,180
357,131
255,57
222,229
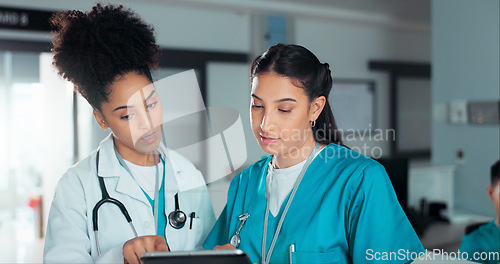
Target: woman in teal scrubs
x,y
313,200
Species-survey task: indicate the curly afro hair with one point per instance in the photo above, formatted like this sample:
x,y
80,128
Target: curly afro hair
x,y
92,49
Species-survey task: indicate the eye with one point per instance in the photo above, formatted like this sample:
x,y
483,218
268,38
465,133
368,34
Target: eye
x,y
151,105
257,106
284,111
127,117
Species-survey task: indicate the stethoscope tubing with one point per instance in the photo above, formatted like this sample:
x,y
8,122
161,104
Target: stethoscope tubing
x,y
106,199
173,221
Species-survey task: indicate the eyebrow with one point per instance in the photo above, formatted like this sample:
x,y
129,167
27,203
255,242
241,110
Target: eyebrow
x,y
277,101
151,94
130,106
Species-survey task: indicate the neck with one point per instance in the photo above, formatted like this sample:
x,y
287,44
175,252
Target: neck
x,y
135,157
285,160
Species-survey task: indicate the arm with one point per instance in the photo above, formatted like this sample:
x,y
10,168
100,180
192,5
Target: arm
x,y
377,223
218,234
220,231
67,239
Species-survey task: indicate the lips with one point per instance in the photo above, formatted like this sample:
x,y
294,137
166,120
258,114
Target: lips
x,y
268,140
149,138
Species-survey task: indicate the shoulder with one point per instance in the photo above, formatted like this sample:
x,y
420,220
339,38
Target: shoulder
x,y
340,155
483,231
82,170
180,161
249,178
483,239
252,173
77,181
471,240
245,185
350,164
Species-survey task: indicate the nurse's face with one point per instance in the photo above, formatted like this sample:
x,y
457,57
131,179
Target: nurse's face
x,y
133,113
280,113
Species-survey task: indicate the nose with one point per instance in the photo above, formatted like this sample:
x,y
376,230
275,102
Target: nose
x,y
144,120
266,122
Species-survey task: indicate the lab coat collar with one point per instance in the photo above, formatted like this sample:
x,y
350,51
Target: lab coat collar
x,y
109,166
183,178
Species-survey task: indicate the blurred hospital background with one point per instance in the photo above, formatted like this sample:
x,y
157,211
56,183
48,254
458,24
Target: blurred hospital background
x,y
416,85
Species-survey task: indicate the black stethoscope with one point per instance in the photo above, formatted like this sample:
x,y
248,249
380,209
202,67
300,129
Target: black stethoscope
x,y
176,219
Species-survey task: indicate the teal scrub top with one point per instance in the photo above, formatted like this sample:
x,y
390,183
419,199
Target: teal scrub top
x,y
344,211
485,240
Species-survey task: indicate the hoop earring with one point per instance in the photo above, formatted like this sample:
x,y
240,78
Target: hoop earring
x,y
313,123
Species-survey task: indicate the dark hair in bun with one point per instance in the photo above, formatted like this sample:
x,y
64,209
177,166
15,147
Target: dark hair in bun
x,y
92,49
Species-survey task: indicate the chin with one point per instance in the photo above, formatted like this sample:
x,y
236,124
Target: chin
x,y
150,144
270,149
146,148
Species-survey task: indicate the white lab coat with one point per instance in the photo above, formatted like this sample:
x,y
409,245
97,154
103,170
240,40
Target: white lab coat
x,y
70,236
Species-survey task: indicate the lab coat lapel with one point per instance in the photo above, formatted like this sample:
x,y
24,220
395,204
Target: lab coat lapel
x,y
126,185
178,182
109,166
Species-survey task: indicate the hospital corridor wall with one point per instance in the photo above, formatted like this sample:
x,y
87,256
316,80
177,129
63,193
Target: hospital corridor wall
x,y
346,45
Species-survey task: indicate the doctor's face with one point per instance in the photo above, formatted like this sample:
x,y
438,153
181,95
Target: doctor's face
x,y
280,115
133,113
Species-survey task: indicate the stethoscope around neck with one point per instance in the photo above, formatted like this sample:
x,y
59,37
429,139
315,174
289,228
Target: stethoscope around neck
x,y
176,218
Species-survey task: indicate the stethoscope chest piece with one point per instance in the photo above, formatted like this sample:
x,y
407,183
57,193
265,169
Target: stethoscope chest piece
x,y
177,219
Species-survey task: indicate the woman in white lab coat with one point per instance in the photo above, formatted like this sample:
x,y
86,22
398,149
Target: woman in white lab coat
x,y
107,53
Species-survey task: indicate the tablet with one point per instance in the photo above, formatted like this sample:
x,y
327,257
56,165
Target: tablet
x,y
235,256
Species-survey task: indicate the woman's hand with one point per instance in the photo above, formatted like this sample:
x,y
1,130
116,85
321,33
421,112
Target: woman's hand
x,y
134,248
226,246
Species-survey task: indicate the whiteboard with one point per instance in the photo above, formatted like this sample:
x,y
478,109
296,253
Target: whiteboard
x,y
353,105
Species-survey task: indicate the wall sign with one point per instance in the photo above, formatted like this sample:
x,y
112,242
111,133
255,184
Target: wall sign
x,y
25,19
